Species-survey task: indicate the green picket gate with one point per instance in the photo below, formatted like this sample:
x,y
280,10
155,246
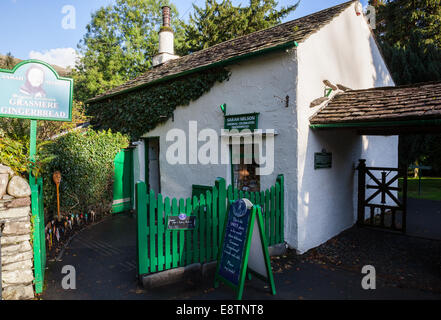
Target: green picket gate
x,y
161,249
38,236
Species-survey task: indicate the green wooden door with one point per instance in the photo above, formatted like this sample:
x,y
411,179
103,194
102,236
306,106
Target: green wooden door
x,y
123,182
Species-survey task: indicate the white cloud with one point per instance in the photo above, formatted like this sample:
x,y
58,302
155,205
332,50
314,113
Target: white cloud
x,y
63,57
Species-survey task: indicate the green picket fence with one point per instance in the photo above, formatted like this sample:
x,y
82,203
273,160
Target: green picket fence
x,y
38,236
161,249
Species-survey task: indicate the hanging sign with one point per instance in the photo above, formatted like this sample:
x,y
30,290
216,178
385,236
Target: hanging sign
x,y
242,121
181,222
244,248
33,90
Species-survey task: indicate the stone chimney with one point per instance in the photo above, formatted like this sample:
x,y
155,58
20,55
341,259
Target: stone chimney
x,y
166,40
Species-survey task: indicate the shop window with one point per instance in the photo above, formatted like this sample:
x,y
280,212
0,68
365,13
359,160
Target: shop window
x,y
244,168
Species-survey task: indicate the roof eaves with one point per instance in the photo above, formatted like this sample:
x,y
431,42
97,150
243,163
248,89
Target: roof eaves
x,y
370,124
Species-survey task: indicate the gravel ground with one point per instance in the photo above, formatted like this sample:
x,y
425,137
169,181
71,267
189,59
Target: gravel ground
x,y
401,261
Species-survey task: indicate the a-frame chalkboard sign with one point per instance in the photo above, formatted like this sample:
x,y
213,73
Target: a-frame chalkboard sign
x,y
244,249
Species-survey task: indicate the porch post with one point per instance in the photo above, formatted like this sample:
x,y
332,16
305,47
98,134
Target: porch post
x,y
404,201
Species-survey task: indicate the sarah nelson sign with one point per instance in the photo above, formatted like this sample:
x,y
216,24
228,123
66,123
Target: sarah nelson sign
x,y
34,90
242,121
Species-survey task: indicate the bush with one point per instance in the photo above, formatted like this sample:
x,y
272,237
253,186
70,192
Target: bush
x,y
13,154
85,160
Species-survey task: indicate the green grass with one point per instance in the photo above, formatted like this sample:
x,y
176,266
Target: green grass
x,y
430,188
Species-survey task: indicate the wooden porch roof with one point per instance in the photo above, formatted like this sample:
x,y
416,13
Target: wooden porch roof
x,y
385,110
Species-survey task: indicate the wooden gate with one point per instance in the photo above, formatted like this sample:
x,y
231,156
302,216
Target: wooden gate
x,y
379,204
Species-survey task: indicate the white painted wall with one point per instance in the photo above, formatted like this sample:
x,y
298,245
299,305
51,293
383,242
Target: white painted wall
x,y
255,85
342,52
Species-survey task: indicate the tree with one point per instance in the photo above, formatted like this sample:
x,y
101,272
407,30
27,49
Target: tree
x,y
119,45
409,33
219,22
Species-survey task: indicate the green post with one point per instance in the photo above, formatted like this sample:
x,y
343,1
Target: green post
x,y
32,149
141,217
222,204
281,181
37,239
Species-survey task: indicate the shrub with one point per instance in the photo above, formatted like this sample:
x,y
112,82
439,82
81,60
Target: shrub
x,y
85,160
13,154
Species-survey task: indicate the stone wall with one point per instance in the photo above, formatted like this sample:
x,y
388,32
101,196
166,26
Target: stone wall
x,y
16,249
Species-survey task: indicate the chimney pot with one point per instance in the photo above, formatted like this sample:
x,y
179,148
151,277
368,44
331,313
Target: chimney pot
x,y
166,16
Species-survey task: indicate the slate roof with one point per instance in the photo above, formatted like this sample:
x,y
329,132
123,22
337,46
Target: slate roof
x,y
413,102
293,31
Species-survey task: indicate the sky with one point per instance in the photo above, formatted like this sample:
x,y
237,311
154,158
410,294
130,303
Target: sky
x,y
44,29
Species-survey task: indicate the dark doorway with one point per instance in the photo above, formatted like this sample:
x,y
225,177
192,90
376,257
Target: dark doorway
x,y
152,175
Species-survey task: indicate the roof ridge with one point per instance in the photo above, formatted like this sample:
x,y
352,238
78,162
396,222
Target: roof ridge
x,y
276,26
246,45
405,86
253,33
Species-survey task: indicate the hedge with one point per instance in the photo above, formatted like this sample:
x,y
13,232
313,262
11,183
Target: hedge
x,y
85,160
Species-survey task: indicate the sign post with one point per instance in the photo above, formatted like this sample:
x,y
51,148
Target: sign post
x,y
244,249
33,90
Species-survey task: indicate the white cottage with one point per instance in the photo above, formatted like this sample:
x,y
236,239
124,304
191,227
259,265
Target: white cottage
x,y
282,76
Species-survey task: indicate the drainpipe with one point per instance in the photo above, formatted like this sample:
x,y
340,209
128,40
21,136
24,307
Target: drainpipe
x,y
1,229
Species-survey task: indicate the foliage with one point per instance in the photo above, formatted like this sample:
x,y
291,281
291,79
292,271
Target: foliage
x,y
119,44
409,33
85,160
423,149
137,112
219,22
13,154
7,62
